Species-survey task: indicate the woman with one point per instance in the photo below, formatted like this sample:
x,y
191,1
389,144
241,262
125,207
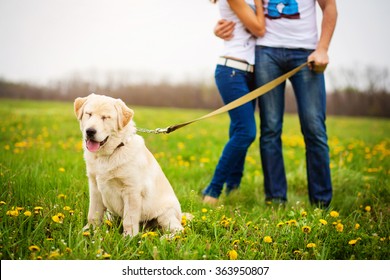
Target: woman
x,y
234,78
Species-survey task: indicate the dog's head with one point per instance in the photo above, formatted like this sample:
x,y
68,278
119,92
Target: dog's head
x,y
102,119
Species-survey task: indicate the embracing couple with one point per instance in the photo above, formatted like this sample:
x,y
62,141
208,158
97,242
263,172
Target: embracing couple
x,y
262,41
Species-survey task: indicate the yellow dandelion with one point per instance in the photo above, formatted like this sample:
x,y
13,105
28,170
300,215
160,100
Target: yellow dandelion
x,y
311,245
334,214
67,208
106,256
357,226
61,169
37,209
232,254
183,220
280,224
34,248
236,242
61,196
86,233
56,219
339,227
204,210
292,223
3,202
267,239
303,214
108,223
367,208
12,213
323,222
204,218
352,242
68,250
71,212
306,229
27,213
54,254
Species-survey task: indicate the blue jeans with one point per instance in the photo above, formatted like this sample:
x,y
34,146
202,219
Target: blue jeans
x,y
309,89
232,84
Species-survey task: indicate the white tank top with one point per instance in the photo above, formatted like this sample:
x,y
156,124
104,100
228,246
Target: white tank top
x,y
290,24
242,45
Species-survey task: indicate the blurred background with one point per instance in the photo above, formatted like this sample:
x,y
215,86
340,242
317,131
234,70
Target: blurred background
x,y
163,53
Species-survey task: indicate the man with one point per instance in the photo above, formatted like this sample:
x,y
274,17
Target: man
x,y
291,39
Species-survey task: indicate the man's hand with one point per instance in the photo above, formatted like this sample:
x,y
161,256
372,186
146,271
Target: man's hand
x,y
224,29
318,59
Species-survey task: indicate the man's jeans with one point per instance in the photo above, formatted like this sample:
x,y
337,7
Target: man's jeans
x,y
309,89
232,84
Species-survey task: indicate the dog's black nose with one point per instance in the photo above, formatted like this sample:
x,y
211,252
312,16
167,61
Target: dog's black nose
x,y
91,132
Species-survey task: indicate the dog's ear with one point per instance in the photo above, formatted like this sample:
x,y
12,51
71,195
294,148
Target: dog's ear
x,y
125,114
78,106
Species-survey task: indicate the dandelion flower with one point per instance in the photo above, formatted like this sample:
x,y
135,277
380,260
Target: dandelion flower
x,y
280,224
303,214
334,214
61,196
61,169
106,256
204,210
67,208
339,227
306,229
311,245
292,223
54,254
232,254
352,242
357,226
34,248
108,223
323,222
86,233
58,218
183,220
236,242
367,208
27,213
204,218
267,239
12,213
3,202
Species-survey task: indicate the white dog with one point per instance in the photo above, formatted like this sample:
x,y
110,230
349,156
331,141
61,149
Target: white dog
x,y
124,177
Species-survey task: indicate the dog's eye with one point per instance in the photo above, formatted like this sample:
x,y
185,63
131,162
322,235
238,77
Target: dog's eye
x,y
88,114
105,117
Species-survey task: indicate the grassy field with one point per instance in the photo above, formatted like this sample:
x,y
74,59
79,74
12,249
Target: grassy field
x,y
44,193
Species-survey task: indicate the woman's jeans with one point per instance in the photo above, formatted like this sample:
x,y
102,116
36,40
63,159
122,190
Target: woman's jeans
x,y
309,89
233,84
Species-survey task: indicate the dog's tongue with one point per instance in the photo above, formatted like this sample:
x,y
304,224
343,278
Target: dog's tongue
x,y
93,146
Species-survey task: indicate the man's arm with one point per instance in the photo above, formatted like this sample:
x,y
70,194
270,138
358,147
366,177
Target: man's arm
x,y
329,17
224,29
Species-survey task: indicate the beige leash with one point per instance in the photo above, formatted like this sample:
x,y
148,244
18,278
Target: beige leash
x,y
234,104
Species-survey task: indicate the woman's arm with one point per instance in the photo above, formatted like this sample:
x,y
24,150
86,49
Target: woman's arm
x,y
254,22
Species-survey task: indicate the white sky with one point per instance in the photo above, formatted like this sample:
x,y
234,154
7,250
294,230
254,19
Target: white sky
x,y
47,40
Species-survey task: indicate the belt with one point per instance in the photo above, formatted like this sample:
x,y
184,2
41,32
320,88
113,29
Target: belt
x,y
240,65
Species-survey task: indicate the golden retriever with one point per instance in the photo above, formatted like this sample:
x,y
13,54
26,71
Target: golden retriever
x,y
123,175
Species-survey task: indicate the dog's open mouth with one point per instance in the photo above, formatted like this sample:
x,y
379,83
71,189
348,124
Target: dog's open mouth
x,y
94,146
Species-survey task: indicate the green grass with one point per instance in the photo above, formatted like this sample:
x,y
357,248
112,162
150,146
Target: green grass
x,y
41,165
